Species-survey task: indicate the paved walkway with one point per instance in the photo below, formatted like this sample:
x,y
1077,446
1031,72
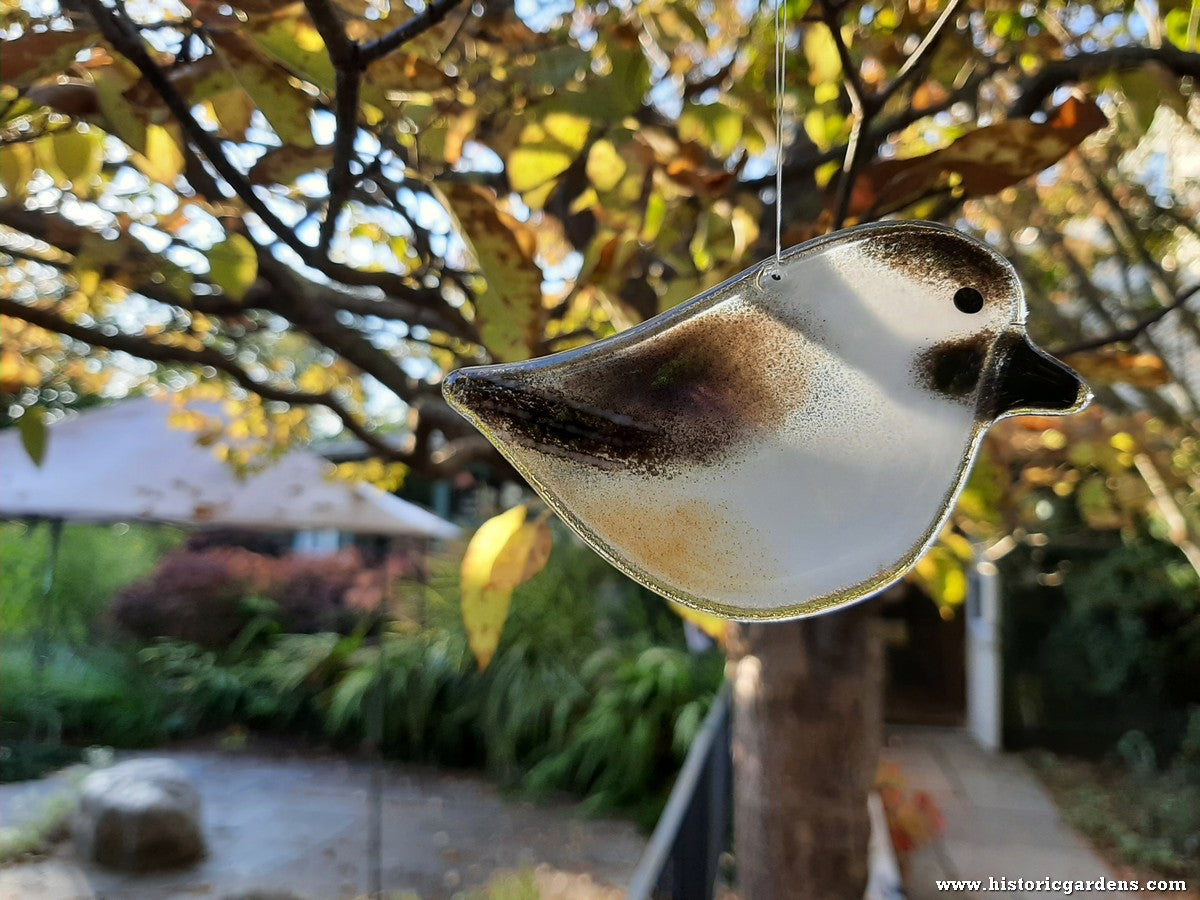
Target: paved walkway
x,y
1000,821
297,828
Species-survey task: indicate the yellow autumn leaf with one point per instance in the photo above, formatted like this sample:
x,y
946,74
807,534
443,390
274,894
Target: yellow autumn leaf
x,y
714,626
942,572
508,311
506,551
162,160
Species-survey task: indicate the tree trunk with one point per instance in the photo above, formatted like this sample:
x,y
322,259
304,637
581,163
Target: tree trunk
x,y
807,728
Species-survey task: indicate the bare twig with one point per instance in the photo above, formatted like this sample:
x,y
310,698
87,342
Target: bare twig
x,y
862,109
924,51
1125,335
418,24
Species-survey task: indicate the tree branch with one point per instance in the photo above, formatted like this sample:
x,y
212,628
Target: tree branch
x,y
862,109
924,51
428,18
1041,84
345,55
154,351
1125,335
119,31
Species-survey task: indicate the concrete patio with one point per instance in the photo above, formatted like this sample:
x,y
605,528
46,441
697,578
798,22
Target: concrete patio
x,y
1000,822
298,828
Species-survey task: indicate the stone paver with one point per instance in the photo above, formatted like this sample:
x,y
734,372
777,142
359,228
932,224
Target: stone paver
x,y
301,826
1000,822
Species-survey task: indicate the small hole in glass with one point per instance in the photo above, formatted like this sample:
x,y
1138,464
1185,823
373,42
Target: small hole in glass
x,y
777,276
968,300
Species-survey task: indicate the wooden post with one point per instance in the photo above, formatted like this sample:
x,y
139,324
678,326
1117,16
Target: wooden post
x,y
807,729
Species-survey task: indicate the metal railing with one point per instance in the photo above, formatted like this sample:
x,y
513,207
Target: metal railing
x,y
681,860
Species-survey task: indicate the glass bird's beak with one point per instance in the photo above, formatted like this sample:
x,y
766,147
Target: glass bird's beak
x,y
1025,380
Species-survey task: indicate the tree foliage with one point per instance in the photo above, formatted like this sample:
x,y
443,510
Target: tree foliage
x,y
325,205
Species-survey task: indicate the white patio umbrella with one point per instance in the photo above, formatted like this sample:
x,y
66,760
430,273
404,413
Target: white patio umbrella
x,y
126,463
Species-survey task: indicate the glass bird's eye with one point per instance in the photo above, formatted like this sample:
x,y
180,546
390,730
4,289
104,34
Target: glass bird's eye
x,y
968,300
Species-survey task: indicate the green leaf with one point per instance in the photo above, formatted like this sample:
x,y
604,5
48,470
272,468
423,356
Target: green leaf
x,y
605,167
162,160
120,118
233,265
284,106
625,87
34,433
546,149
36,54
1182,26
297,45
508,312
714,125
820,51
233,110
78,155
942,572
16,167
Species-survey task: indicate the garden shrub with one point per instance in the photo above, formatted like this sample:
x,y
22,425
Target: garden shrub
x,y
1107,645
90,695
192,596
208,597
578,698
94,563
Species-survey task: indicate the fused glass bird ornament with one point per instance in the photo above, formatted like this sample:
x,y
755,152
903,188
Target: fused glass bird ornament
x,y
792,440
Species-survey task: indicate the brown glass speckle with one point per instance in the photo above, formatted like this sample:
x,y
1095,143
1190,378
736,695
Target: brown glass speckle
x,y
954,368
933,255
692,395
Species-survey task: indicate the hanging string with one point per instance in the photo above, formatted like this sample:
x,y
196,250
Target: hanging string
x,y
780,84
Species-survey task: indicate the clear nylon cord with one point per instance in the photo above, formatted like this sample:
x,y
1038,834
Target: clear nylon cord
x,y
780,84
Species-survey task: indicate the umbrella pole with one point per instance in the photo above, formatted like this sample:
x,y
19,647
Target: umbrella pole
x,y
41,639
375,799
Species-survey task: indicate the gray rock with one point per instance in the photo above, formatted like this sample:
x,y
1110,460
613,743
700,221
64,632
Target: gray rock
x,y
138,815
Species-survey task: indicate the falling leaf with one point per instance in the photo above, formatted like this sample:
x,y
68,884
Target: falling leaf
x,y
714,626
34,433
505,552
508,311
